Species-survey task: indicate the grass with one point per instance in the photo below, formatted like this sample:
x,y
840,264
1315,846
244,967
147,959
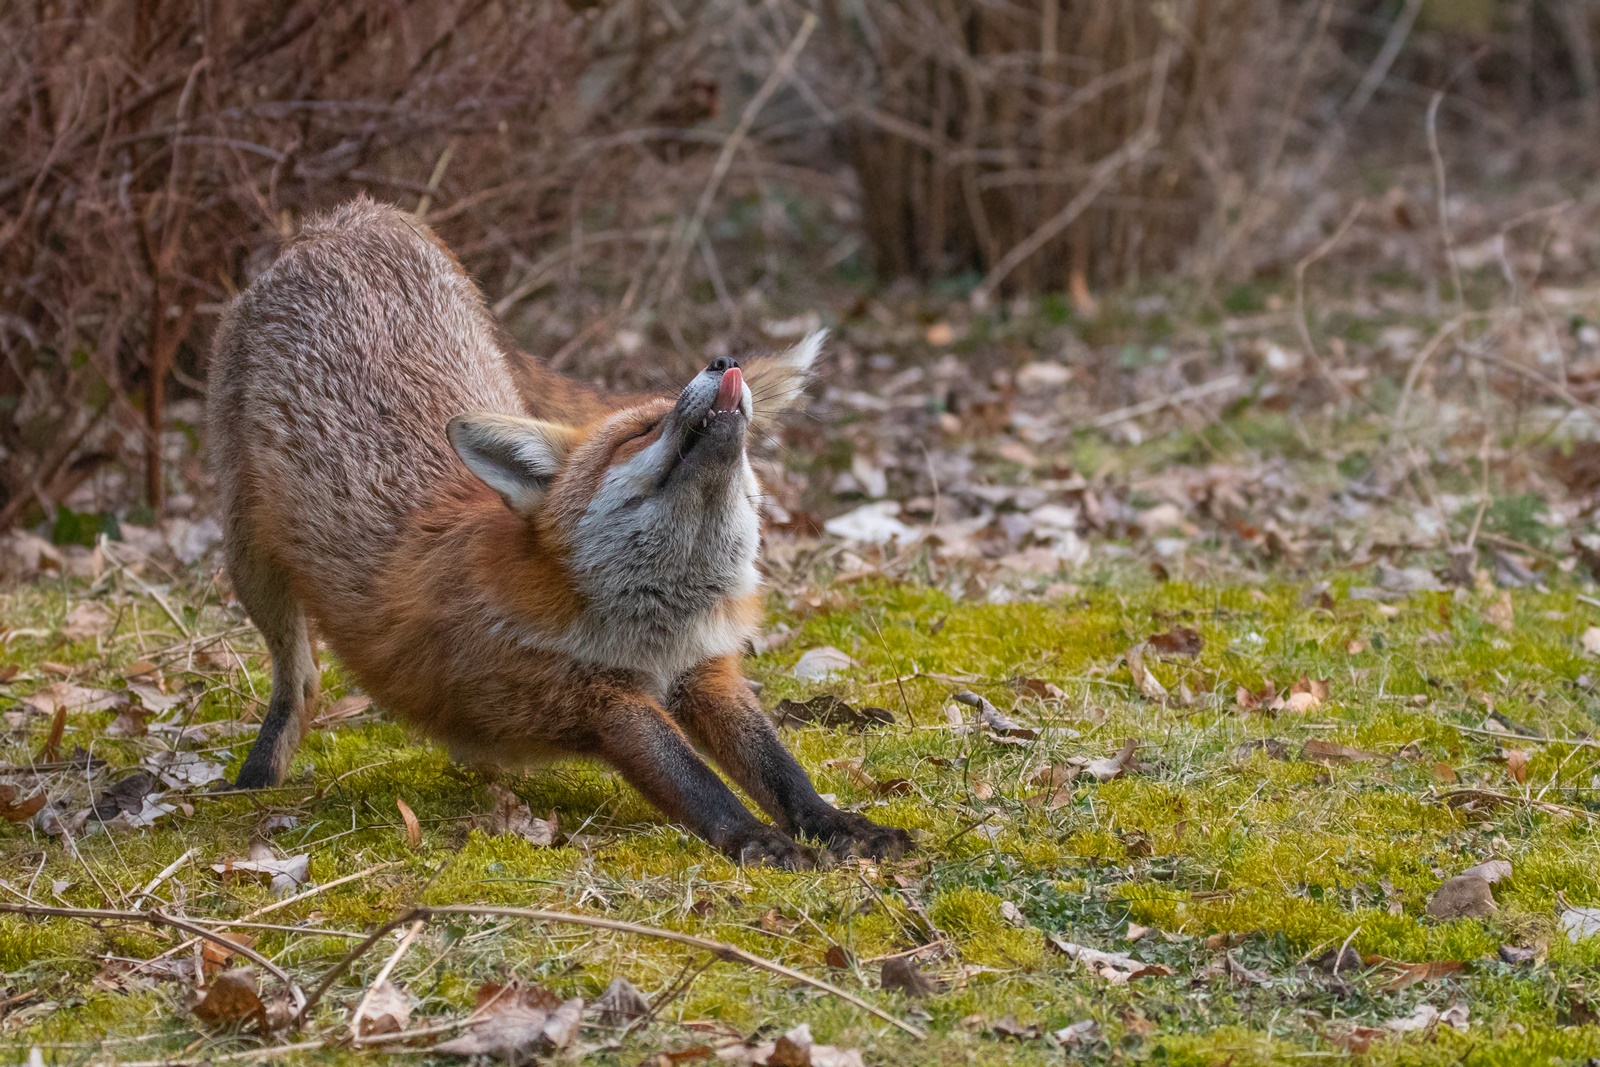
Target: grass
x,y
1291,858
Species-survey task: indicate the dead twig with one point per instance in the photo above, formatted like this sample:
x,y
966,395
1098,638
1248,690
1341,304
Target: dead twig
x,y
721,949
157,917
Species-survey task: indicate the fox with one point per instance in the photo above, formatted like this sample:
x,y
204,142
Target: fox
x,y
521,566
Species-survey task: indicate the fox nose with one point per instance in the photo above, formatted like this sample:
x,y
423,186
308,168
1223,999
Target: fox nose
x,y
720,364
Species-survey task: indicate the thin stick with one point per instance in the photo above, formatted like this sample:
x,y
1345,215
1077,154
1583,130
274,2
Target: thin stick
x,y
1146,407
1301,318
678,254
166,872
721,949
284,903
1575,741
157,917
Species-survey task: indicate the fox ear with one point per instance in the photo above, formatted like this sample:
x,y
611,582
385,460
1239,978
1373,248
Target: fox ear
x,y
777,381
515,457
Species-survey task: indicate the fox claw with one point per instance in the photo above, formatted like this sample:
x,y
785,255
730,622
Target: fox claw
x,y
849,834
764,846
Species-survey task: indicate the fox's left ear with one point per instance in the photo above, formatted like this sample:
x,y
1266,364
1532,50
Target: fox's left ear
x,y
516,457
777,381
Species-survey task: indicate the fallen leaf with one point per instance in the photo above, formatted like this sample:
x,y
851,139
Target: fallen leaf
x,y
1591,641
287,875
1008,1029
1412,973
900,974
1445,773
837,957
73,699
1306,694
386,1009
513,1022
1037,687
1078,1035
87,620
828,710
1143,680
13,810
126,794
1178,641
130,722
1329,752
1516,955
1104,770
1500,613
413,827
153,699
1427,1017
1013,914
1117,968
346,707
231,999
1517,764
185,770
511,815
1466,896
1490,871
1272,746
870,524
1257,700
621,1004
793,1049
996,725
215,955
821,664
1354,647
1579,923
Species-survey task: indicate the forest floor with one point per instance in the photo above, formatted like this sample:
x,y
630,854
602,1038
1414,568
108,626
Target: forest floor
x,y
1241,702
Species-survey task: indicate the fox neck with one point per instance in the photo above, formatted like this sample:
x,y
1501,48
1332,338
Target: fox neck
x,y
651,592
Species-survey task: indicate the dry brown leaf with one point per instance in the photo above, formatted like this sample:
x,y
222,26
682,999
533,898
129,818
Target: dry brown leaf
x,y
66,697
1445,773
1117,968
837,957
1178,641
982,790
1466,896
1412,973
1105,770
87,620
1500,613
1330,752
50,751
511,815
1258,700
386,1009
413,827
346,707
1355,646
14,810
1143,680
513,1022
130,722
231,999
1038,687
1517,764
214,955
621,1004
287,875
901,975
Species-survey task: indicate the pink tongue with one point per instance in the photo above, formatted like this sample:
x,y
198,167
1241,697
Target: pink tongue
x,y
730,392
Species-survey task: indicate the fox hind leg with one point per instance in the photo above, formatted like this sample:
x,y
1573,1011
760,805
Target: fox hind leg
x,y
263,588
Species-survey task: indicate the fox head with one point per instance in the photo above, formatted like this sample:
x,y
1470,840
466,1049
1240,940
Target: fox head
x,y
653,507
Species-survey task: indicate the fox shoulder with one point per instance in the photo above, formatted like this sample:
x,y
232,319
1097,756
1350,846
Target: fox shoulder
x,y
777,381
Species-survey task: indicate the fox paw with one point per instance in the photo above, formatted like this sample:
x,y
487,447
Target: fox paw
x,y
761,845
848,834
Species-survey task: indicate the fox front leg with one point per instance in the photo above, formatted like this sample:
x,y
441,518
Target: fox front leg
x,y
717,709
648,749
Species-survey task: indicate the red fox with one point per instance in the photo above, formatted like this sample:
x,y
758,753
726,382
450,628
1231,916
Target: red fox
x,y
522,575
